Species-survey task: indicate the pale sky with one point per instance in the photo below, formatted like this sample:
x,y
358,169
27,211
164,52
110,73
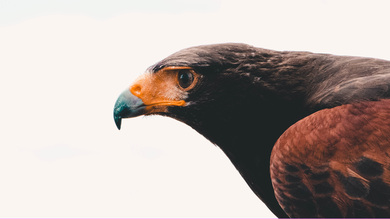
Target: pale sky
x,y
64,63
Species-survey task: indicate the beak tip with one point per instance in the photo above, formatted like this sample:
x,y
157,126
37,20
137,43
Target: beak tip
x,y
118,122
126,106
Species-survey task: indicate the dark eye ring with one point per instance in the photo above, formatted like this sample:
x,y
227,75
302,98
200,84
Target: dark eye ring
x,y
185,78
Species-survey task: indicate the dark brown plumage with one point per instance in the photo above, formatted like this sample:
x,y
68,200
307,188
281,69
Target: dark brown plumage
x,y
331,163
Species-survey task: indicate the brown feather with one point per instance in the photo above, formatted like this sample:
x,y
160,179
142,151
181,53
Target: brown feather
x,y
342,163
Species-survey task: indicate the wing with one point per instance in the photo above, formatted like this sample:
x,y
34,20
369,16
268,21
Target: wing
x,y
335,163
372,87
349,79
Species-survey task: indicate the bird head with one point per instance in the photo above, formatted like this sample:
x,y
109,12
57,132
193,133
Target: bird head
x,y
181,83
215,89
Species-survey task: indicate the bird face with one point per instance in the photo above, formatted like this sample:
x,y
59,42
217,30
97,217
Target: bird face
x,y
204,87
156,92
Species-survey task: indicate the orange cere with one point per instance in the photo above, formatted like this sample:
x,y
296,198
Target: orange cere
x,y
159,88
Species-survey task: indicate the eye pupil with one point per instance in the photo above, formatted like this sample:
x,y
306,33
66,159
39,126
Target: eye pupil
x,y
185,78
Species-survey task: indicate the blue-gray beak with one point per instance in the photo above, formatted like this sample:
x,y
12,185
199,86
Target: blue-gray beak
x,y
127,105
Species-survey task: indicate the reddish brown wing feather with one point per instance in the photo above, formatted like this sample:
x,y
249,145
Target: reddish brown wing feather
x,y
335,163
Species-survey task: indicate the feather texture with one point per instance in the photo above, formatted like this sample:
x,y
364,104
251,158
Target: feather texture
x,y
335,163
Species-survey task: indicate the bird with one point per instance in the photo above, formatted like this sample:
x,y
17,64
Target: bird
x,y
308,132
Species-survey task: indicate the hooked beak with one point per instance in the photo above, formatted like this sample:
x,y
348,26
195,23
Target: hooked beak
x,y
150,94
127,106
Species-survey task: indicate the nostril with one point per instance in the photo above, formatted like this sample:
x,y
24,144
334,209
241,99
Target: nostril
x,y
135,89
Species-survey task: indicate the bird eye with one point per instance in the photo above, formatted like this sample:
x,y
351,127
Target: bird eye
x,y
185,77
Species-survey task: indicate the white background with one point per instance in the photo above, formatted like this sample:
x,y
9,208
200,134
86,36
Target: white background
x,y
63,64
